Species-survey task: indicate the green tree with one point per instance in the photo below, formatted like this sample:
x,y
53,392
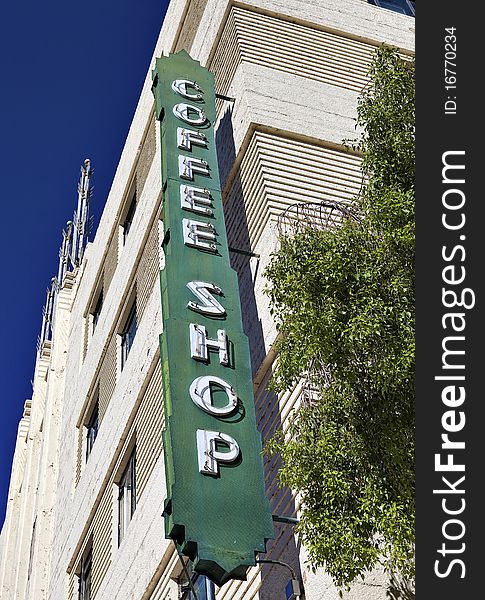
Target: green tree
x,y
343,299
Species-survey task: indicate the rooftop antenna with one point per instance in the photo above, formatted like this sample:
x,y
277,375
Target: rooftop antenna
x,y
47,315
64,253
74,240
81,221
43,330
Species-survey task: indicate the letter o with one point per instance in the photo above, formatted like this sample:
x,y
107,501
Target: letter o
x,y
200,392
182,112
453,191
451,522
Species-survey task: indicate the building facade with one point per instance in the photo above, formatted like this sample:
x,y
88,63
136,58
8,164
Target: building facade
x,y
84,515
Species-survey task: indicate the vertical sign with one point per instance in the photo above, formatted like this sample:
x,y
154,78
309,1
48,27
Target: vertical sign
x,y
216,509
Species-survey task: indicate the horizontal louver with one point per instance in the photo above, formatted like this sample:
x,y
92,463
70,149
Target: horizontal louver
x,y
290,47
277,172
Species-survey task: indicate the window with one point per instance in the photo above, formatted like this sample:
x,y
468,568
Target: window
x,y
97,309
92,428
204,588
128,334
31,553
405,7
128,220
85,576
126,496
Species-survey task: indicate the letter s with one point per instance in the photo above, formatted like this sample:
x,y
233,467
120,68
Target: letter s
x,y
450,566
454,250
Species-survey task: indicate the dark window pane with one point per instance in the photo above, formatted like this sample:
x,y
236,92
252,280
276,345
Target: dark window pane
x,y
129,218
85,578
97,310
128,335
405,7
126,496
203,587
92,430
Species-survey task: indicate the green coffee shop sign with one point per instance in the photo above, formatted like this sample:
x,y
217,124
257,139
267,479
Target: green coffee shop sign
x,y
216,509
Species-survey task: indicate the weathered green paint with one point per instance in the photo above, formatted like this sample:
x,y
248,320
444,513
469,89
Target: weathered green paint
x,y
219,522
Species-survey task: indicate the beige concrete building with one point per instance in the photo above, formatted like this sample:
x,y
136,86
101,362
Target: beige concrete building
x,y
84,515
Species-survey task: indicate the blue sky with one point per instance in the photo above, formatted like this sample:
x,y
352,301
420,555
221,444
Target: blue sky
x,y
71,77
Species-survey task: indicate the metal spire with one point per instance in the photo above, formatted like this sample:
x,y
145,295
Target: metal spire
x,y
47,314
64,253
74,240
81,220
